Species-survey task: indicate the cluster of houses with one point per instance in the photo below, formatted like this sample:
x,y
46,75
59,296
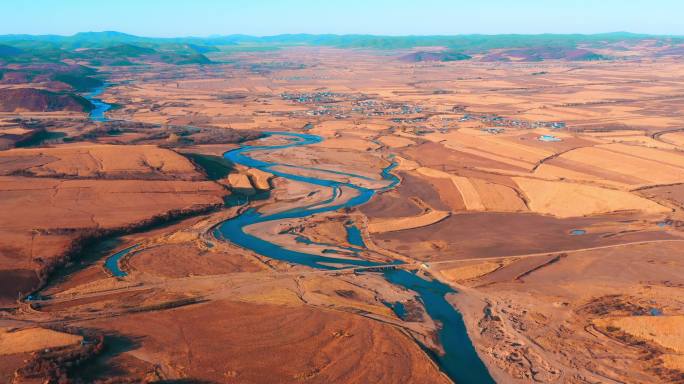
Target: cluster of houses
x,y
371,107
315,97
327,103
500,121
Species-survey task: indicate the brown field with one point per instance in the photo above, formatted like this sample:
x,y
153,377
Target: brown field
x,y
477,235
104,161
393,224
665,331
322,346
571,200
672,194
33,339
64,192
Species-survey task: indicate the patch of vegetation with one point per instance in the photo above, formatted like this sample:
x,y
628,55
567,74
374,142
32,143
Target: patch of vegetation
x,y
38,138
436,56
7,50
78,82
127,50
182,59
215,167
115,106
590,56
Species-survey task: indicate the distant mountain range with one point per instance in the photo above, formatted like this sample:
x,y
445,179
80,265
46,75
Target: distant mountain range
x,y
120,49
461,42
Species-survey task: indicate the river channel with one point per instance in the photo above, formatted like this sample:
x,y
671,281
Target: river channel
x,y
459,360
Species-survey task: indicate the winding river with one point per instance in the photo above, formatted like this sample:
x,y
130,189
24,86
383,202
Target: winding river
x,y
460,360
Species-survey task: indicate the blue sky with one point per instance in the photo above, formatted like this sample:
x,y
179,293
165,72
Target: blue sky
x,y
387,17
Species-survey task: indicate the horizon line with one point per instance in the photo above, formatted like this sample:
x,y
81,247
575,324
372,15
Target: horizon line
x,y
342,35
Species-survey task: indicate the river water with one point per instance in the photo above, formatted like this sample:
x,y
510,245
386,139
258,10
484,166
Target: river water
x,y
98,113
460,360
